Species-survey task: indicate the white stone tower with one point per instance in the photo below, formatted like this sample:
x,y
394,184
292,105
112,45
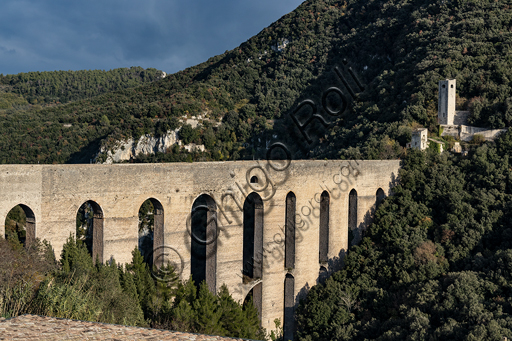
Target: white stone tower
x,y
446,107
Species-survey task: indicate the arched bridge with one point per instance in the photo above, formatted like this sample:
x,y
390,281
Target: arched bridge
x,y
269,228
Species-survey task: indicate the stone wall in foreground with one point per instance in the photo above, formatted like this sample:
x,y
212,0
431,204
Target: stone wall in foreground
x,y
34,327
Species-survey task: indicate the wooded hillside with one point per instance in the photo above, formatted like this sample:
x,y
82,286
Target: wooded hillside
x,y
436,263
399,50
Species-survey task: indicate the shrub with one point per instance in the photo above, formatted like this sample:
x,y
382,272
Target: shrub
x,y
478,139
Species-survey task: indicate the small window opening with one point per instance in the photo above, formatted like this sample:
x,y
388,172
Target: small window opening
x,y
254,180
444,86
451,86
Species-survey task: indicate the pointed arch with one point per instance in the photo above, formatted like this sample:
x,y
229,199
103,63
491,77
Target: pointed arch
x,y
253,236
204,242
352,211
324,227
379,196
289,252
323,274
90,228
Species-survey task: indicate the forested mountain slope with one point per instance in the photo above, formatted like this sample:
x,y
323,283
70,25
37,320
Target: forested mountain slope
x,y
65,86
23,97
398,49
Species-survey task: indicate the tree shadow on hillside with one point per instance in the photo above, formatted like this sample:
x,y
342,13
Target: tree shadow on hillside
x,y
326,103
86,154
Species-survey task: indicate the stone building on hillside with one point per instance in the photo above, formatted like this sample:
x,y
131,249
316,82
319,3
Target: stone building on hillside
x,y
457,148
446,103
419,139
453,122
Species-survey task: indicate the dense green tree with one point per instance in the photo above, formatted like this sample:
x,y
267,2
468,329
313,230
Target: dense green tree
x,y
434,264
142,279
188,134
79,289
200,311
65,86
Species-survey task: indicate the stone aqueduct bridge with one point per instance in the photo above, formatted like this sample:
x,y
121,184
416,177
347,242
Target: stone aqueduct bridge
x,y
296,217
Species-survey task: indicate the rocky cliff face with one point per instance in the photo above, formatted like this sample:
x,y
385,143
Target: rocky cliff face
x,y
146,144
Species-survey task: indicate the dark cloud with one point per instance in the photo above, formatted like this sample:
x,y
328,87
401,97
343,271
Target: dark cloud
x,y
38,35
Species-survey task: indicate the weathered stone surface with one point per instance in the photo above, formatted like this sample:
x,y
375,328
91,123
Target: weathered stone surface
x,y
446,103
466,133
146,144
34,327
55,193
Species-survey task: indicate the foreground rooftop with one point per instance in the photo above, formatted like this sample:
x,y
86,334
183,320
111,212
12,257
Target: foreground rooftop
x,y
34,327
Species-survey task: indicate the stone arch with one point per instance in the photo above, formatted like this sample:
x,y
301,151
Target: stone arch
x,y
324,227
289,307
29,225
379,196
256,294
203,254
93,234
151,242
254,179
352,212
323,274
289,248
253,237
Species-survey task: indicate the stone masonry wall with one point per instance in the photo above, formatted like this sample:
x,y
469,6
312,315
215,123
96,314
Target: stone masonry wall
x,y
55,193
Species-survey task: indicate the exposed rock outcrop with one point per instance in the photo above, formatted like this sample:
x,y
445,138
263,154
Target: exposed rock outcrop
x,y
146,144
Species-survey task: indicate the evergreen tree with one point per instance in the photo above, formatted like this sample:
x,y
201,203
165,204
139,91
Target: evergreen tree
x,y
144,283
434,264
207,313
75,257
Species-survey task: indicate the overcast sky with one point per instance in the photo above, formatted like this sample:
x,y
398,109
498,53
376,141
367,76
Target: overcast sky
x,y
170,35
